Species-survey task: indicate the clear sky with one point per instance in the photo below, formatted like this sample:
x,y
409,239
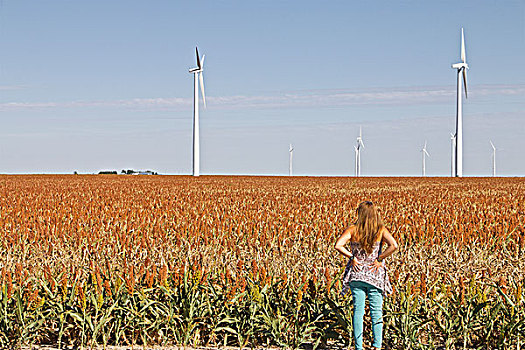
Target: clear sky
x,y
96,85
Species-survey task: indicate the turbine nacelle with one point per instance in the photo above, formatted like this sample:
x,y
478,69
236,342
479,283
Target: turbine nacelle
x,y
360,139
424,149
460,65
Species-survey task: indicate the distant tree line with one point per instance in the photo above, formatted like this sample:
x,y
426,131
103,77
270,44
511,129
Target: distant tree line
x,y
127,172
145,172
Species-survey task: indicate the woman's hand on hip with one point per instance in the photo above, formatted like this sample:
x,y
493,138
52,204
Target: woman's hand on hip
x,y
355,263
376,265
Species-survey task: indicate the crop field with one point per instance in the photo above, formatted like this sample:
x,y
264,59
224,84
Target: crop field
x,y
249,261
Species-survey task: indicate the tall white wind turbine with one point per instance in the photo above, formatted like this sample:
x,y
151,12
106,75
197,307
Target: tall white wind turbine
x,y
290,151
462,70
358,153
493,159
425,154
452,148
197,78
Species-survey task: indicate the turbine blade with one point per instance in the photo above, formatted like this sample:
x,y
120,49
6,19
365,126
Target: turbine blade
x,y
493,147
426,152
465,81
201,83
361,142
198,60
463,53
202,61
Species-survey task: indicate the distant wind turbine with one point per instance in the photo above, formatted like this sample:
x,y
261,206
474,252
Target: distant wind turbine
x,y
453,147
425,154
197,78
290,170
358,153
493,159
462,70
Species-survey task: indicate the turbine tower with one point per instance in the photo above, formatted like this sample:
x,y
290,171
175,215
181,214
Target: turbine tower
x,y
356,161
197,78
358,153
493,159
425,153
462,70
452,148
290,170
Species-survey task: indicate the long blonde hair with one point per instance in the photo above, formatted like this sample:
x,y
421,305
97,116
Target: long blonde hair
x,y
368,225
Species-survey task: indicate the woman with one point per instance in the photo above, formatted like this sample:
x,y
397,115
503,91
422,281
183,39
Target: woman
x,y
365,273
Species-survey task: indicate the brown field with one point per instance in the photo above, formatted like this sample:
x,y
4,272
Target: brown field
x,y
249,261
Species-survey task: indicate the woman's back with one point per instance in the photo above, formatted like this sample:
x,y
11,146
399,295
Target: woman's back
x,y
358,250
363,271
362,256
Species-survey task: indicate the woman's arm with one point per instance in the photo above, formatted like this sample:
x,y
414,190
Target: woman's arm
x,y
341,242
392,245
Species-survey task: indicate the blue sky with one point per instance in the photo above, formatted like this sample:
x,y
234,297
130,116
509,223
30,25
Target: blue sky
x,y
92,85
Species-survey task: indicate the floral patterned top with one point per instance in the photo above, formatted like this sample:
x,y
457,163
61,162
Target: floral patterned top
x,y
363,272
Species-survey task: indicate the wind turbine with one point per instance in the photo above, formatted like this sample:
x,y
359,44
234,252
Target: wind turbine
x,y
197,78
462,70
358,153
425,153
290,173
493,159
452,148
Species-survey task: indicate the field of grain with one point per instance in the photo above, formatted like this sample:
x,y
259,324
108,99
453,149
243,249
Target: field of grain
x,y
249,261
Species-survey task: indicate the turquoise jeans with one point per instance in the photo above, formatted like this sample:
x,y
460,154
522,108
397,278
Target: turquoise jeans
x,y
375,298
